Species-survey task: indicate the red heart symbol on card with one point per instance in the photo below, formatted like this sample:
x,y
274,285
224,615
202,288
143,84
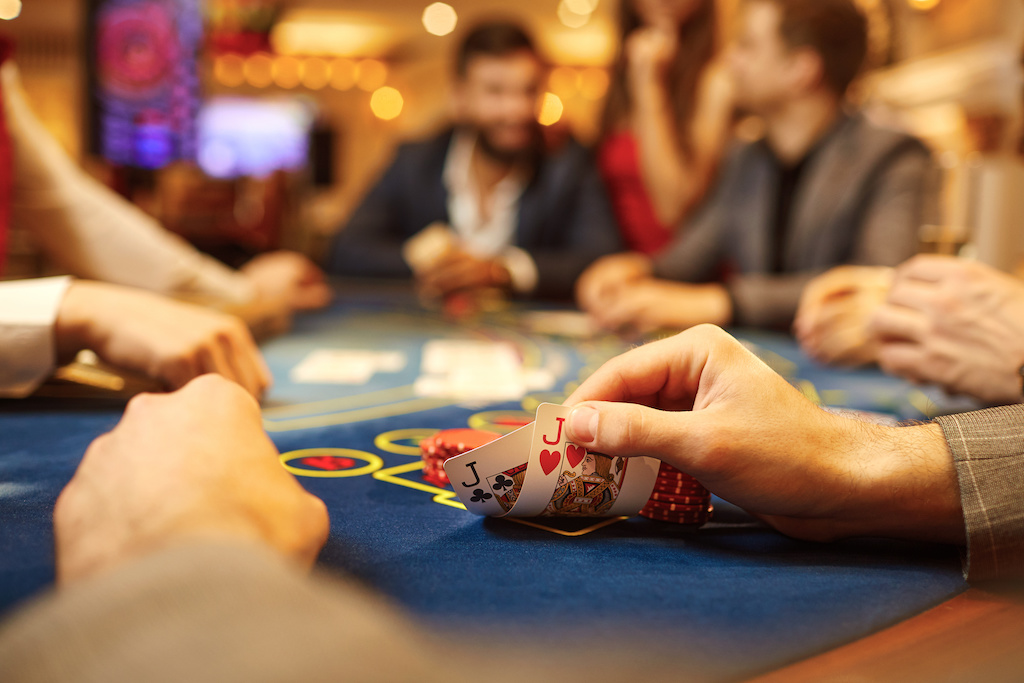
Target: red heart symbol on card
x,y
575,454
549,460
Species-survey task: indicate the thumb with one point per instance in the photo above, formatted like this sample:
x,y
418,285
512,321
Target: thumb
x,y
627,429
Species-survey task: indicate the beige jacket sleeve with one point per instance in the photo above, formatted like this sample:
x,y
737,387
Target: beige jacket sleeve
x,y
204,612
988,450
87,230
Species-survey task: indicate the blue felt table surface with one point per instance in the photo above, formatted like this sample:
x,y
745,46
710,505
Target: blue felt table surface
x,y
734,598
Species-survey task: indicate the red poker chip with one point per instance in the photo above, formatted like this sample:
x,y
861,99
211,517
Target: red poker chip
x,y
676,517
461,441
682,478
684,490
448,443
676,507
678,499
677,478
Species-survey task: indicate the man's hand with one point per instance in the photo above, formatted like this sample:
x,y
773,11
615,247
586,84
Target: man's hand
x,y
956,323
835,310
704,404
649,305
170,341
458,271
289,279
194,464
607,276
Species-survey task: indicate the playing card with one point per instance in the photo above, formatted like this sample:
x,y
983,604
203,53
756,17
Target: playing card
x,y
546,455
345,366
488,479
535,471
424,249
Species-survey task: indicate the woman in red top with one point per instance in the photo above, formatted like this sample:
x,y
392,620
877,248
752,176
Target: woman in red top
x,y
666,119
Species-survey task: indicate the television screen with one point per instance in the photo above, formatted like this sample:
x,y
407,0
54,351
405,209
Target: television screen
x,y
253,137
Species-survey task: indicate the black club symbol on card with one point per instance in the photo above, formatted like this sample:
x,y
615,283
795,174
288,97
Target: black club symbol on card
x,y
501,482
479,496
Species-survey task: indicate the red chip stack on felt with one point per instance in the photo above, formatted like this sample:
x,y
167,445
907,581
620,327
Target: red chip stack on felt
x,y
679,498
447,444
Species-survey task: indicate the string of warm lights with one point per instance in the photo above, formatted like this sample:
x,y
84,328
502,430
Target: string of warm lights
x,y
303,60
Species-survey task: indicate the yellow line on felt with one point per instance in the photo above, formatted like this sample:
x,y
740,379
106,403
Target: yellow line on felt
x,y
371,413
442,496
572,534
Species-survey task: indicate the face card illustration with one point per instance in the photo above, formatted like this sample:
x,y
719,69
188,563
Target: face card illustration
x,y
545,462
588,485
487,479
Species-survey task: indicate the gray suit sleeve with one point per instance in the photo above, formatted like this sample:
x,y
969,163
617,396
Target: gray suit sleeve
x,y
695,255
988,451
895,208
889,221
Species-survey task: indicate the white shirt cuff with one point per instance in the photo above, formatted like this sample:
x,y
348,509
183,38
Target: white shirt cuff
x,y
521,269
28,312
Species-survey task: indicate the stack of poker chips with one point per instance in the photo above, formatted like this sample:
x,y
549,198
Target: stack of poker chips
x,y
448,443
678,498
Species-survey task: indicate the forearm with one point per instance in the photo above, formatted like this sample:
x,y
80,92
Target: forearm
x,y
672,180
87,230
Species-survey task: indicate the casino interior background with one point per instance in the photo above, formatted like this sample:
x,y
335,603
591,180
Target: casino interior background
x,y
330,87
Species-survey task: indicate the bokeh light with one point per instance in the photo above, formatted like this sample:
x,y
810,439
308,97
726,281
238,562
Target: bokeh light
x,y
10,9
343,74
315,73
593,83
550,109
570,17
581,6
285,72
923,5
258,70
386,103
562,81
440,19
229,70
371,74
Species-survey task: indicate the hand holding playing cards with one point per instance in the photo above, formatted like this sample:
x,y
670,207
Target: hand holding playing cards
x,y
458,271
167,340
956,323
190,465
704,404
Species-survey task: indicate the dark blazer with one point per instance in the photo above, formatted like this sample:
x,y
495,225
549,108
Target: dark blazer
x,y
564,222
860,201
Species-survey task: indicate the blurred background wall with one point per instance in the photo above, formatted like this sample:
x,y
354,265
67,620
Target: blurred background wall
x,y
301,102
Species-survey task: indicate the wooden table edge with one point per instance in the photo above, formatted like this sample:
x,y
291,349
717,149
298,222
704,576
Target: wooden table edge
x,y
976,631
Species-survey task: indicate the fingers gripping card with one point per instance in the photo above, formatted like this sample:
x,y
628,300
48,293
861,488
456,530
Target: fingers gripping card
x,y
536,471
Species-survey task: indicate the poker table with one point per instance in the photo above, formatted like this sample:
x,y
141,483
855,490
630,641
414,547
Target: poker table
x,y
731,600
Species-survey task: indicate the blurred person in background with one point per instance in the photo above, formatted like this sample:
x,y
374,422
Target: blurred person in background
x,y
823,187
484,205
83,228
666,121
